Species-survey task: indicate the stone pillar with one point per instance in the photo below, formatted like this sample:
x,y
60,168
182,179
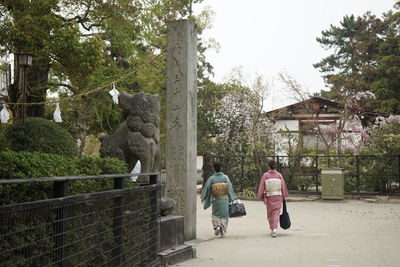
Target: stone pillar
x,y
181,147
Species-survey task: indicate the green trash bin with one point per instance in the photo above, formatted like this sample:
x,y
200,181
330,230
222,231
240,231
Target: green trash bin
x,y
332,183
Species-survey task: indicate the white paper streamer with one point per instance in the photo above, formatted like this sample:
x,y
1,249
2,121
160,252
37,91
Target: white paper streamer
x,y
114,93
57,113
136,169
5,116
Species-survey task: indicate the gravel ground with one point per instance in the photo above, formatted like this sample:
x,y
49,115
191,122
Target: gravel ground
x,y
323,233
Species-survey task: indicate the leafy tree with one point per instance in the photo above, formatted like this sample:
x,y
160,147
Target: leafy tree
x,y
230,120
56,42
232,128
222,117
365,57
384,140
386,84
384,137
354,43
80,45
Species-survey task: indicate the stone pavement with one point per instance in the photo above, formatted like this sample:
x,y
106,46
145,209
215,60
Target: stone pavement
x,y
323,233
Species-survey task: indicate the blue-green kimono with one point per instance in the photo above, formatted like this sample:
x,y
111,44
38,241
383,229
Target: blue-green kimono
x,y
220,204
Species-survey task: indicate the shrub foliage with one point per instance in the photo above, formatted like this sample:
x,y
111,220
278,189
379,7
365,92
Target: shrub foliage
x,y
21,165
40,135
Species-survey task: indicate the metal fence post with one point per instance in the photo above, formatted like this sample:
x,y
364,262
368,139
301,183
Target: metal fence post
x,y
317,173
155,199
117,252
358,174
154,179
60,189
241,171
277,164
206,169
398,174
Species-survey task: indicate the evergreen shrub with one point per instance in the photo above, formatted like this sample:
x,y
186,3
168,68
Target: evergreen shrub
x,y
94,165
39,239
40,135
25,165
3,140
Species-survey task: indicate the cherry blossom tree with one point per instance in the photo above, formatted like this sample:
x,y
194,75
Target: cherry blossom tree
x,y
349,132
383,140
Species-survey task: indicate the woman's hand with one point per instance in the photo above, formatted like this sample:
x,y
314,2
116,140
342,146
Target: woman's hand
x,y
202,201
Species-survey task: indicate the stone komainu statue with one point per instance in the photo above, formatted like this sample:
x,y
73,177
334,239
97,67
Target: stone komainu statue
x,y
138,137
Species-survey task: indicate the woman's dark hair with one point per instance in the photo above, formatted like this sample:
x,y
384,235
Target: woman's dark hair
x,y
272,164
217,166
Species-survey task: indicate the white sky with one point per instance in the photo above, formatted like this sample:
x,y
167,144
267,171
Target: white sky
x,y
269,36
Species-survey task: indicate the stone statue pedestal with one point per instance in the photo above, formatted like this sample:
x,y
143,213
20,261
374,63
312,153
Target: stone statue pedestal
x,y
171,231
172,246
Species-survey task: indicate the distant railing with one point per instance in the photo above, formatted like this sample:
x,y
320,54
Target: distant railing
x,y
363,174
118,227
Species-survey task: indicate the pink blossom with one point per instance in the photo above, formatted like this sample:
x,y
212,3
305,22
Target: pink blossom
x,y
393,119
328,129
381,121
354,126
355,101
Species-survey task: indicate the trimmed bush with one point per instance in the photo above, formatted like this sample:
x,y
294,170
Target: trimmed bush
x,y
14,165
3,140
93,165
40,135
31,165
34,230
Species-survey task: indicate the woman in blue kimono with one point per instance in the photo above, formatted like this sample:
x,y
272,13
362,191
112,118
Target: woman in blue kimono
x,y
218,192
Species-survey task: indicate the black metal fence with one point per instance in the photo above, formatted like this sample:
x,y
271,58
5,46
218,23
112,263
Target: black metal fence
x,y
118,227
362,174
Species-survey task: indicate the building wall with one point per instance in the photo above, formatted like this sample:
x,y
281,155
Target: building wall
x,y
302,127
292,125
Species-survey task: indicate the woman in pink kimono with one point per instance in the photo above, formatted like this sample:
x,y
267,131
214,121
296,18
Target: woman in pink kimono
x,y
272,191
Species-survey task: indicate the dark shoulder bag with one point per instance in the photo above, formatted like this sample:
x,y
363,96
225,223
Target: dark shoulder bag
x,y
237,209
284,219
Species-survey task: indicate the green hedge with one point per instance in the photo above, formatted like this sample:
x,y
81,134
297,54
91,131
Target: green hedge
x,y
33,231
40,135
3,141
93,165
14,165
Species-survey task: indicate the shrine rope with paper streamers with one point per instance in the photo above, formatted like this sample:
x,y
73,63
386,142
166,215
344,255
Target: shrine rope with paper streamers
x,y
98,89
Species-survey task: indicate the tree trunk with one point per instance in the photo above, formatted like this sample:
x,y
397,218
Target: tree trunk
x,y
37,74
37,87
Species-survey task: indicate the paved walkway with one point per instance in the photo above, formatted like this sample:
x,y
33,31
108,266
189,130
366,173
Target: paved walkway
x,y
323,233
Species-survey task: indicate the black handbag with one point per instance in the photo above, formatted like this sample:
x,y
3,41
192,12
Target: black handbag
x,y
284,219
237,209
